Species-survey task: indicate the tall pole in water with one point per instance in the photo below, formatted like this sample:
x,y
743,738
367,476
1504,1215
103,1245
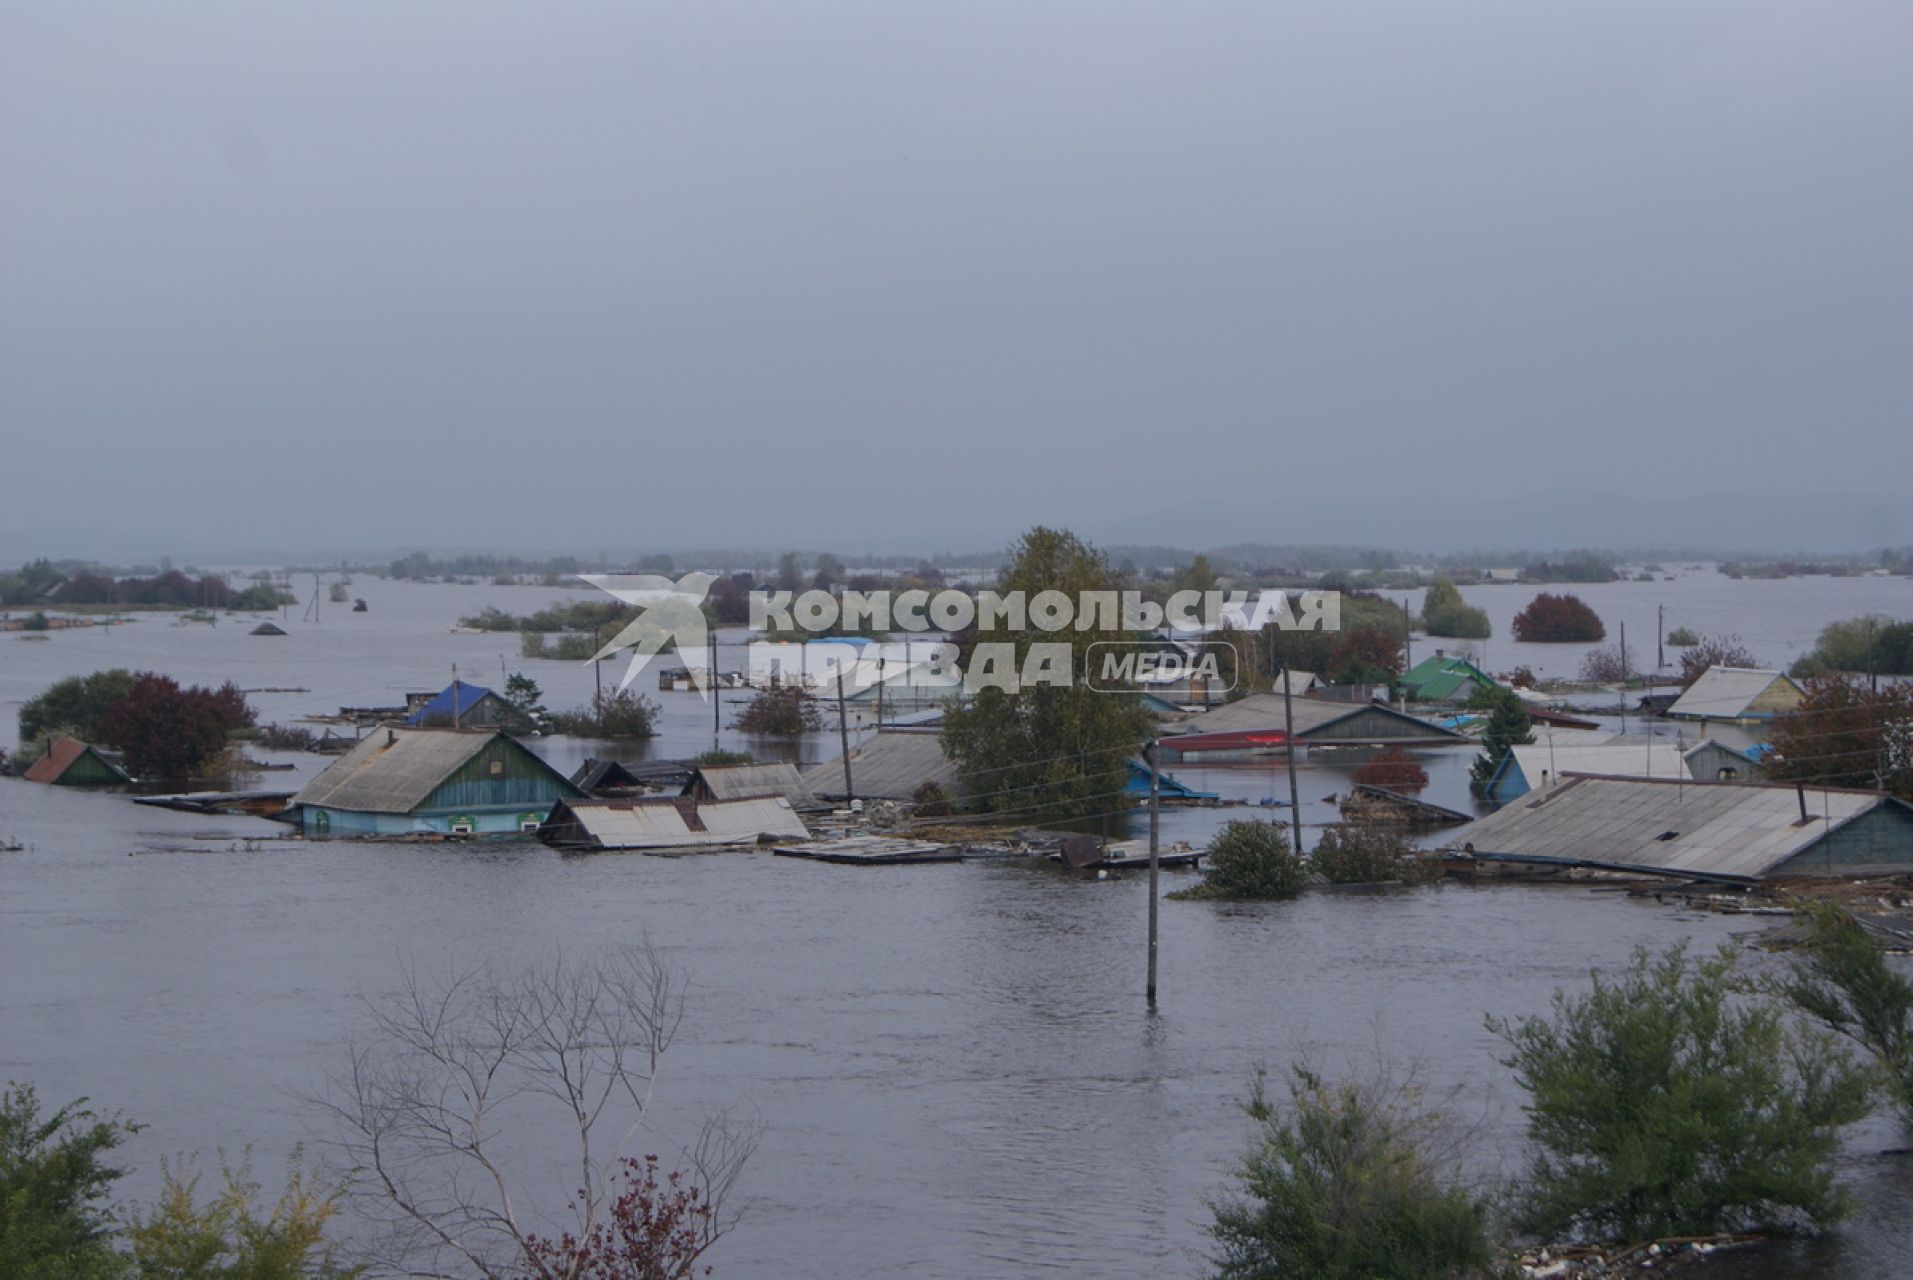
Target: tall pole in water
x,y
1288,740
843,735
1660,636
1155,809
1623,677
454,695
717,696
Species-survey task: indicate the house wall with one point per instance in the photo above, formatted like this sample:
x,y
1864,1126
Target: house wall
x,y
316,820
1878,842
1778,697
502,776
88,771
1705,763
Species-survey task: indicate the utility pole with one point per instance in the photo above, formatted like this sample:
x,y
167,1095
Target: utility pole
x,y
454,695
1288,739
1623,677
843,736
717,695
1155,809
1660,636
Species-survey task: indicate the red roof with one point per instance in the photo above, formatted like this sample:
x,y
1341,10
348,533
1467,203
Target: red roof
x,y
58,759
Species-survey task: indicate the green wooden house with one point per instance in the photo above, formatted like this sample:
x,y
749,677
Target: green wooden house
x,y
402,781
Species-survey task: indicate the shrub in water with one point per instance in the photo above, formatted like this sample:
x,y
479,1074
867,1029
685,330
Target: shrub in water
x,y
1349,1182
1251,860
1662,1105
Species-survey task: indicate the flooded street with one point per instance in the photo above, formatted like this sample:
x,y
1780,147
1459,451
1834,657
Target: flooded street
x,y
953,1064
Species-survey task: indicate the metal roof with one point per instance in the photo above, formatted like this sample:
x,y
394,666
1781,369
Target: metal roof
x,y
457,695
1733,831
393,768
888,766
63,755
1724,692
1543,764
746,781
1264,712
676,823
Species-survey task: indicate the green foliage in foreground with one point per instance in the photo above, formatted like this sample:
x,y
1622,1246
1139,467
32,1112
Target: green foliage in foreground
x,y
230,1237
54,1177
1250,861
1660,1105
76,704
1343,1184
1842,978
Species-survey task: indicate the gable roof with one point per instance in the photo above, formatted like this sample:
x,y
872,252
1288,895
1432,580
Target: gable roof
x,y
395,769
669,822
1707,830
63,755
595,774
1727,693
1542,761
1437,678
890,765
1263,713
748,781
464,696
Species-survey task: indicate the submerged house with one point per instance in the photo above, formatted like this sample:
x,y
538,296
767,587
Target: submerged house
x,y
1256,725
68,762
1718,761
458,705
1443,679
749,782
1541,765
401,781
1738,694
661,823
1169,789
889,765
1731,832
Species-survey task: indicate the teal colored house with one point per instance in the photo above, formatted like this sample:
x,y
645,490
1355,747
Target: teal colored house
x,y
404,781
1443,679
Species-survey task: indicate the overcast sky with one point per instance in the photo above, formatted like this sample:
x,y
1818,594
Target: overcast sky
x,y
825,274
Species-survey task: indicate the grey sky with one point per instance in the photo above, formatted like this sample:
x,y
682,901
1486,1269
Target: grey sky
x,y
806,273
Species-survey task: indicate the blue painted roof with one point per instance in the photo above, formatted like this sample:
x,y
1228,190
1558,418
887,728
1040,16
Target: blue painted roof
x,y
440,707
1166,785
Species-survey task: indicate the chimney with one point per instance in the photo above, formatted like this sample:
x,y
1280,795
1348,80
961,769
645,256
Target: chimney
x,y
1441,653
391,737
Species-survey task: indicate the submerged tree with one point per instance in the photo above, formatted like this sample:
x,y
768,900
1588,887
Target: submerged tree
x,y
1250,861
167,732
1508,727
1558,619
1351,1181
1713,651
1444,613
781,711
1059,750
1842,978
1664,1103
450,1071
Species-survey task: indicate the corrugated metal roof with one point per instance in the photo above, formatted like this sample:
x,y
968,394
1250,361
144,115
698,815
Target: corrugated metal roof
x,y
672,823
1709,829
1544,764
1723,692
888,766
1263,712
745,781
393,769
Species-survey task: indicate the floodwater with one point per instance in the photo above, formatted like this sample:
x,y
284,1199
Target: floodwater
x,y
954,1066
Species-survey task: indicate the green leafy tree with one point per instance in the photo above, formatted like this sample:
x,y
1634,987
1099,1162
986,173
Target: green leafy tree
x,y
1665,1103
781,711
1368,852
524,705
1350,1181
1508,727
231,1236
1842,978
1870,643
1250,861
1059,751
1444,613
53,1177
76,704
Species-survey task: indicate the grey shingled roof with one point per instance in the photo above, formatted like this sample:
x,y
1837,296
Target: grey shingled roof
x,y
889,766
393,769
1726,830
673,824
